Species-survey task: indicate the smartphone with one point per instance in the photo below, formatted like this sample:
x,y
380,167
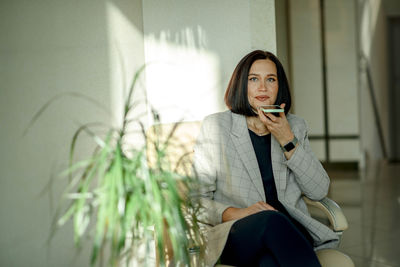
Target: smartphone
x,y
273,109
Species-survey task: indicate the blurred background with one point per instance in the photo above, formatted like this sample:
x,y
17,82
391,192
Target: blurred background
x,y
341,57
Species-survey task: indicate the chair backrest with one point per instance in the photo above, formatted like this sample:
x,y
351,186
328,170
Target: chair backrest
x,y
176,142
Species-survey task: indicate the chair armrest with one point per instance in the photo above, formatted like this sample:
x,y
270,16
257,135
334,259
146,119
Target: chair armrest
x,y
331,210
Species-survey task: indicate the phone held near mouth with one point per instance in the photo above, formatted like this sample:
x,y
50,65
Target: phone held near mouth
x,y
273,109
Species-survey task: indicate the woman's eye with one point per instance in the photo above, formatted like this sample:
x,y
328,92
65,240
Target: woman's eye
x,y
271,80
253,79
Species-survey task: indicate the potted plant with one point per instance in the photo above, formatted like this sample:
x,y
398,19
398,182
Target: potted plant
x,y
123,197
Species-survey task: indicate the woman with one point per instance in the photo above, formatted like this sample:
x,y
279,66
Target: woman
x,y
254,168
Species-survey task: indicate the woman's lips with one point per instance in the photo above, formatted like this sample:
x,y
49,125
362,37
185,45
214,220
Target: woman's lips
x,y
262,98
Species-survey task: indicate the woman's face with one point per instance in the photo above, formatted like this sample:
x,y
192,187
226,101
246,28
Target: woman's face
x,y
262,83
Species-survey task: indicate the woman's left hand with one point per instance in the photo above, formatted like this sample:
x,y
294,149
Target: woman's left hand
x,y
278,126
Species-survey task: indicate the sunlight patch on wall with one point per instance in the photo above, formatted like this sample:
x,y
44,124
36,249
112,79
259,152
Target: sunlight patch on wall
x,y
181,76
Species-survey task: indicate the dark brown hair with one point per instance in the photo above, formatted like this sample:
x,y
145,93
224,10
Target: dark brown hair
x,y
236,94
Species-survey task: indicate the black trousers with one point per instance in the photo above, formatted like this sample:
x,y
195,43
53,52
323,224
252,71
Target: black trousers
x,y
269,238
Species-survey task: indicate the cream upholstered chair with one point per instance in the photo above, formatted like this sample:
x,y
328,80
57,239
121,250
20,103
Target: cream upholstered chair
x,y
182,137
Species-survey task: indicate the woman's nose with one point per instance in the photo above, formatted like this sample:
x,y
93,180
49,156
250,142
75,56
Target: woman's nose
x,y
263,86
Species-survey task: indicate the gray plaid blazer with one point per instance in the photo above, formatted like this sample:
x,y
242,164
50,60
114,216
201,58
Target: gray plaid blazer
x,y
226,165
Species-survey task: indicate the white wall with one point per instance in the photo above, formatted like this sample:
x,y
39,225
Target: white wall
x,y
47,48
342,78
341,73
351,28
193,46
306,67
373,44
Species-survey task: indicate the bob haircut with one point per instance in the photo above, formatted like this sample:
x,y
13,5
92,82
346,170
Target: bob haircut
x,y
236,94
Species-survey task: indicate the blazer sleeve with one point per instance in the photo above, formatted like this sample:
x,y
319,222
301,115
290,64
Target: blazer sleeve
x,y
205,166
307,169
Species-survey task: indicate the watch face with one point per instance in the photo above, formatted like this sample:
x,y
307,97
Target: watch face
x,y
289,146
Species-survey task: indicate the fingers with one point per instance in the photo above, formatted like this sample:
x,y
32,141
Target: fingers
x,y
264,206
261,114
260,205
282,114
272,117
277,125
256,208
266,118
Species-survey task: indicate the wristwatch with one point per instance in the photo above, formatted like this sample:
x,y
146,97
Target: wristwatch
x,y
289,146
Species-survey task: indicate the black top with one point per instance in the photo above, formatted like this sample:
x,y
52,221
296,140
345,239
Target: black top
x,y
262,148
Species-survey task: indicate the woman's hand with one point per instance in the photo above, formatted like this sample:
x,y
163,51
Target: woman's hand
x,y
237,213
278,126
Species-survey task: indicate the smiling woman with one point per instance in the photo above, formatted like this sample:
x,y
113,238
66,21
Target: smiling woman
x,y
263,83
255,167
258,76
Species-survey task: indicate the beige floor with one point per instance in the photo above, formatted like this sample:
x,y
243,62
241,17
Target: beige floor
x,y
370,200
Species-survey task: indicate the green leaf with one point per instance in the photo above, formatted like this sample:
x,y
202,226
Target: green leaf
x,y
124,196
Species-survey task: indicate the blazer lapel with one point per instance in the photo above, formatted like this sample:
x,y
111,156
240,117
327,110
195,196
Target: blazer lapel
x,y
278,168
241,139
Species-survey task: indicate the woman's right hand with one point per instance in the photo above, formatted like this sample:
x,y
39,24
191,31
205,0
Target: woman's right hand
x,y
232,213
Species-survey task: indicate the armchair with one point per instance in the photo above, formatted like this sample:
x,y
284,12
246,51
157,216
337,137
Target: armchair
x,y
325,210
329,213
